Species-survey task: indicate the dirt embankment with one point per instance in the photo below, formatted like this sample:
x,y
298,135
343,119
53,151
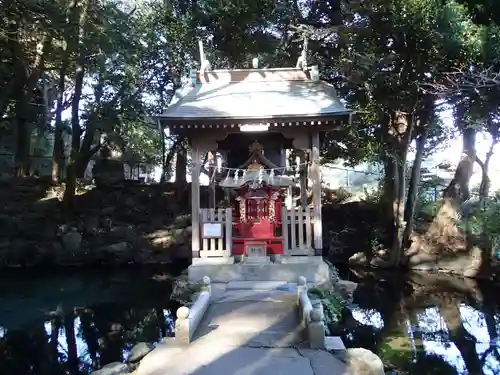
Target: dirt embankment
x,y
354,233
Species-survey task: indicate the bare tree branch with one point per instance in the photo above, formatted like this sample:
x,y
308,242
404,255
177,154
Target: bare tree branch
x,y
464,80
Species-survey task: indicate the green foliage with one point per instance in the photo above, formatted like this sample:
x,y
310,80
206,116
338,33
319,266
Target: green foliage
x,y
338,195
407,362
482,218
382,56
372,195
428,208
425,206
184,292
332,303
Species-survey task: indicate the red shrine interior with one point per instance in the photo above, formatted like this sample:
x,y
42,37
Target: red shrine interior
x,y
257,224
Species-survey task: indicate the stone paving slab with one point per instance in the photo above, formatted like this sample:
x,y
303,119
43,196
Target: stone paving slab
x,y
334,343
252,311
252,296
223,360
255,285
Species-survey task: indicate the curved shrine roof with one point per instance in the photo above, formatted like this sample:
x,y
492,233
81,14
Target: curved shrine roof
x,y
254,94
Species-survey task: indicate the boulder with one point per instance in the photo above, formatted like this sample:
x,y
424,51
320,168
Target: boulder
x,y
106,211
346,288
359,259
113,368
124,233
360,361
117,248
139,351
5,178
91,224
182,221
72,241
108,172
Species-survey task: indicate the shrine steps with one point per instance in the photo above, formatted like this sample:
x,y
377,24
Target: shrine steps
x,y
225,270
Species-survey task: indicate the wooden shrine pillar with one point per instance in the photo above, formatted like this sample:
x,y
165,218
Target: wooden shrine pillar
x,y
289,197
227,194
303,179
211,179
316,193
195,200
200,145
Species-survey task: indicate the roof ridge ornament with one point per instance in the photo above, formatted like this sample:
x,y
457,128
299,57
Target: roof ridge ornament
x,y
255,63
193,77
302,60
204,63
314,73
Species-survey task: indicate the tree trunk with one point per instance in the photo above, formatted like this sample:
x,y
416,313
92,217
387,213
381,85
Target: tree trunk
x,y
181,167
444,223
170,157
459,186
162,325
90,337
397,130
69,192
41,351
484,188
417,341
424,117
411,198
461,338
55,325
58,150
23,105
86,151
69,331
7,93
163,154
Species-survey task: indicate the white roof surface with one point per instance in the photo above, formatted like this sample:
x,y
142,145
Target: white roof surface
x,y
266,99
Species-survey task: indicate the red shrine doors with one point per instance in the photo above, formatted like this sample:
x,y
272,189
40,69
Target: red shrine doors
x,y
259,214
257,210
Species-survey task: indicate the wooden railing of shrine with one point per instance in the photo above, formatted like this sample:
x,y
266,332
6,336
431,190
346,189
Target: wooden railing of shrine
x,y
297,231
217,247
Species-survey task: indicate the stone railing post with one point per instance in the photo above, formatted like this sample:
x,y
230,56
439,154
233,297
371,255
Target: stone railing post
x,y
188,319
206,285
301,287
316,329
182,325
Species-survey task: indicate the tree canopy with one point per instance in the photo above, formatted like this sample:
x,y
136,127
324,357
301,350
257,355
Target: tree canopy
x,y
111,64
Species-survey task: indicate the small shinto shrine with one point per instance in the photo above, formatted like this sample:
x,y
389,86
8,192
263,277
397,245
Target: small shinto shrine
x,y
261,129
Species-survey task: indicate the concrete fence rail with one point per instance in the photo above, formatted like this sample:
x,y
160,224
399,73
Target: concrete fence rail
x,y
311,318
188,319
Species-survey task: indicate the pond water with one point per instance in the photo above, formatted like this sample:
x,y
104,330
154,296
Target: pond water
x,y
426,323
75,322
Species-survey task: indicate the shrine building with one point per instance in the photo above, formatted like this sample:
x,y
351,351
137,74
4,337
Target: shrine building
x,y
255,119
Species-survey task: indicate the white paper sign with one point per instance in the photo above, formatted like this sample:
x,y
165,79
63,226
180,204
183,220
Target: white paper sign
x,y
212,230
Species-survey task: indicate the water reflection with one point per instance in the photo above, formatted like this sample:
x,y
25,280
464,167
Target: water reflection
x,y
433,323
77,324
